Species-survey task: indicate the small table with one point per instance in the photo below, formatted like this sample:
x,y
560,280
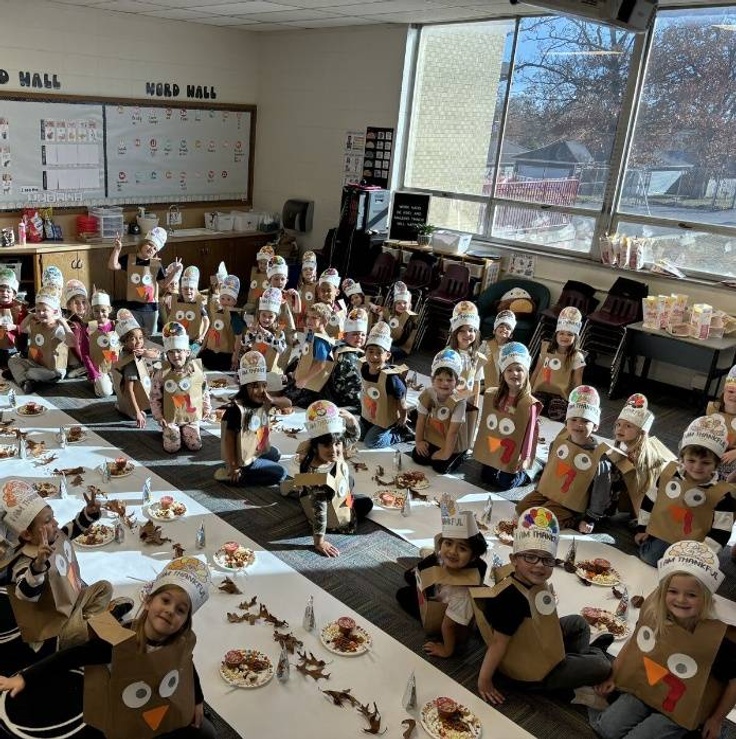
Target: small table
x,y
700,355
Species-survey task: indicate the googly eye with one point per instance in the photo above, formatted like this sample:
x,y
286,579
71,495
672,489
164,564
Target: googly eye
x,y
443,413
147,280
169,683
563,451
694,497
342,469
114,341
461,384
265,284
103,341
137,694
39,340
146,382
309,297
554,363
135,278
185,383
68,551
189,315
255,423
179,315
546,362
583,461
673,489
374,393
219,324
394,323
544,602
492,422
170,386
334,320
469,382
342,488
507,426
61,564
645,639
253,284
682,665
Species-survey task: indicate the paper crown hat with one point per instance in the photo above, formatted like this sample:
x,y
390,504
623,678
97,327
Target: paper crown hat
x,y
221,273
460,526
157,236
265,252
401,292
514,352
49,296
174,336
74,288
380,335
190,277
351,287
584,402
20,504
277,266
125,322
707,431
465,313
636,411
331,276
447,359
323,418
8,279
537,529
570,319
730,377
52,276
230,286
270,300
252,368
694,558
357,320
507,317
309,259
100,297
191,574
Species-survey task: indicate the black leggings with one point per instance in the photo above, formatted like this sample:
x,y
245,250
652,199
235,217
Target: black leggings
x,y
440,466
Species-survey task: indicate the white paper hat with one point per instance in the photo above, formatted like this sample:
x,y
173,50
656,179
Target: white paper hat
x,y
20,504
707,431
584,402
252,368
265,252
323,418
74,288
190,277
270,300
465,313
693,558
230,286
100,297
125,322
460,526
221,273
49,296
52,276
191,574
514,352
8,279
174,336
157,236
380,335
401,293
277,266
350,287
331,276
730,377
357,320
309,259
636,411
537,529
505,316
447,359
570,319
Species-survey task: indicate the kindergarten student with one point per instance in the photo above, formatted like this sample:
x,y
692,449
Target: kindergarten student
x,y
518,620
77,307
104,344
180,397
442,438
688,501
315,358
503,328
49,339
677,672
465,339
259,275
506,444
576,482
560,365
324,479
220,351
345,383
383,400
153,657
725,407
402,322
169,295
189,308
245,443
307,286
327,290
438,590
12,313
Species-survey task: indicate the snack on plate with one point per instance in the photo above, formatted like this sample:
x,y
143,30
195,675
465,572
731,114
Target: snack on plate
x,y
234,556
31,409
602,620
246,668
390,499
504,530
345,637
8,451
96,535
75,433
167,509
120,467
444,718
597,571
412,480
218,383
45,489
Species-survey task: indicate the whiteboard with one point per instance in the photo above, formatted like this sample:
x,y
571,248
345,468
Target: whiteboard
x,y
51,152
183,153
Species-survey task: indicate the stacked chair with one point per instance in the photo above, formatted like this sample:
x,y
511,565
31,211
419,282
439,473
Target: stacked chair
x,y
381,276
437,308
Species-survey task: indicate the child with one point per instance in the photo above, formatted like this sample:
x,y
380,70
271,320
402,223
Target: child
x,y
307,285
189,309
383,400
506,444
226,322
291,304
140,681
465,339
259,274
503,328
576,482
438,590
560,365
725,407
402,322
526,640
345,383
170,294
180,397
52,277
12,313
678,670
47,594
315,359
688,501
104,344
77,307
637,457
246,449
49,339
324,477
327,290
144,277
442,431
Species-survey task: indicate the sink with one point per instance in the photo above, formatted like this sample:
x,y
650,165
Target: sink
x,y
184,232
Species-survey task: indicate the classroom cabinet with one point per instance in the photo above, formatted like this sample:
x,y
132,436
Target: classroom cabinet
x,y
88,265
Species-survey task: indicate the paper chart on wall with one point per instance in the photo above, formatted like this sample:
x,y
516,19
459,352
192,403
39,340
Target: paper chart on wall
x,y
353,157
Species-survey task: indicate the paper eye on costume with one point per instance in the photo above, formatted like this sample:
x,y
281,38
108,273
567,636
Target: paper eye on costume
x,y
189,315
342,488
219,324
253,284
443,413
694,497
554,363
583,461
146,382
394,323
170,386
169,683
68,552
179,315
103,341
645,639
492,422
507,426
137,694
135,278
469,383
374,393
114,341
544,602
147,280
265,284
334,320
61,564
563,452
682,665
185,383
546,362
255,423
342,468
308,297
305,349
39,340
672,489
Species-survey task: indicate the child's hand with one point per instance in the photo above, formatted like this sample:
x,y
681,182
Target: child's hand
x,y
605,687
152,354
642,536
489,693
712,727
162,423
14,684
118,245
437,649
326,549
422,448
140,420
585,528
93,508
729,456
198,715
175,266
233,472
42,556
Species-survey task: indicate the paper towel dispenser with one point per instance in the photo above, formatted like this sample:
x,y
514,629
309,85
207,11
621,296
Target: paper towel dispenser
x,y
298,215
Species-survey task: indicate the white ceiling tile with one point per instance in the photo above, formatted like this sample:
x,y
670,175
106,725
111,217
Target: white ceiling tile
x,y
244,8
335,22
129,6
295,14
178,14
269,27
383,6
433,15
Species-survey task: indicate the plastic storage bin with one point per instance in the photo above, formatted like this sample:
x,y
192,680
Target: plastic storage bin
x,y
224,221
110,221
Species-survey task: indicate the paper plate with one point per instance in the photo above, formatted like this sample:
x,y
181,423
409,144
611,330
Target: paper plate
x,y
97,535
226,561
606,579
466,726
115,474
605,622
359,641
36,410
392,500
242,676
175,512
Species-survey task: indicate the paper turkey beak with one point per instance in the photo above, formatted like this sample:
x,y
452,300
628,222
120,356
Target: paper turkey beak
x,y
547,374
154,716
562,468
655,672
494,444
110,356
180,401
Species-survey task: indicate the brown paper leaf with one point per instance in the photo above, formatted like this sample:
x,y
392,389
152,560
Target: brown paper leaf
x,y
229,586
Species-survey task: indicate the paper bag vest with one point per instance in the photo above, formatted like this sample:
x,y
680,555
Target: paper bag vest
x,y
9,316
466,381
682,510
432,611
141,285
340,506
142,388
397,324
491,371
336,324
220,337
285,317
183,392
568,474
437,422
376,406
554,375
537,647
306,360
188,315
258,283
45,349
267,350
46,617
671,672
714,408
501,433
139,690
254,437
104,347
308,295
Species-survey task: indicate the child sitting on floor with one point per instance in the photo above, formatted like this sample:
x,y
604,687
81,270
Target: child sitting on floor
x,y
402,322
291,302
465,339
503,329
307,286
725,406
189,308
327,290
12,313
77,309
226,322
345,383
259,275
104,344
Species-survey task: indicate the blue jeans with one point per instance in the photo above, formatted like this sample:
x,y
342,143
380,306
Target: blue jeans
x,y
628,718
652,550
375,437
503,480
263,471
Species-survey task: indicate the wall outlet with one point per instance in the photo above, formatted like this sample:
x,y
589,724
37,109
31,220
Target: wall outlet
x,y
173,218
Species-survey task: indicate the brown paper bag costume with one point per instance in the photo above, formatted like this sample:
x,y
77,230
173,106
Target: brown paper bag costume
x,y
140,284
183,392
437,422
44,348
306,360
491,371
9,315
432,611
397,324
141,694
308,295
340,506
254,437
270,354
554,376
188,315
336,325
376,406
258,283
102,351
220,337
142,388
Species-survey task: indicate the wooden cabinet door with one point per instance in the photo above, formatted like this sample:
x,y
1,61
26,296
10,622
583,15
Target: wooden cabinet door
x,y
67,261
94,266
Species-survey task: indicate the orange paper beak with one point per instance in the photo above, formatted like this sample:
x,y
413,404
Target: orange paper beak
x,y
494,444
372,407
154,716
562,469
655,672
109,356
35,354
